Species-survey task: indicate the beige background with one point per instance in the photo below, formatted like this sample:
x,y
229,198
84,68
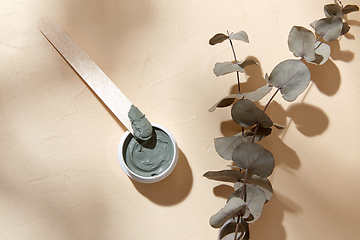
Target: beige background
x,y
59,173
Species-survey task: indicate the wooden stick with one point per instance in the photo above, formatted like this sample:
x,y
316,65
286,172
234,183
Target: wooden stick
x,y
113,98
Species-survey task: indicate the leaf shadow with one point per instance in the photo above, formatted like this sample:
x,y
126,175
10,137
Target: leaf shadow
x,y
162,192
283,154
253,74
223,191
351,24
229,128
338,54
309,120
321,74
270,223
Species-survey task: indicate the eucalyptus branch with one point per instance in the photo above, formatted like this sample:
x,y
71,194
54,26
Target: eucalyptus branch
x,y
293,76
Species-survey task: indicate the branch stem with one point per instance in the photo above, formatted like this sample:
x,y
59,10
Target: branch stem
x,y
236,62
266,106
237,227
242,197
270,100
340,3
243,190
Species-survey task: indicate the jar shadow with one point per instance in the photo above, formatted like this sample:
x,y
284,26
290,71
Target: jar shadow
x,y
171,190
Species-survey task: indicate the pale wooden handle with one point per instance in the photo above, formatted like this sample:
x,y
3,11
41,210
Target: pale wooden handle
x,y
113,98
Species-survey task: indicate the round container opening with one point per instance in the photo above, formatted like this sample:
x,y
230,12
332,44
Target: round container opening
x,y
134,160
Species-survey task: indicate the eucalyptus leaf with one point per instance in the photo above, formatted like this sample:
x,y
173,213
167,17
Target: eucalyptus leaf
x,y
226,101
247,114
322,53
292,77
241,35
278,126
255,200
224,175
313,24
329,28
301,42
247,234
237,193
225,146
333,10
260,133
345,29
267,79
350,8
233,166
258,94
263,183
255,158
252,96
227,231
231,209
218,38
226,67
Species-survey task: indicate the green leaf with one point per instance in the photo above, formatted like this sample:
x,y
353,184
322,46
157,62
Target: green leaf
x,y
226,67
258,94
333,10
301,42
278,126
242,36
236,193
329,28
255,200
350,8
224,175
247,114
345,29
290,76
226,101
255,158
227,231
313,24
263,183
225,146
322,53
260,133
218,38
267,79
231,209
252,96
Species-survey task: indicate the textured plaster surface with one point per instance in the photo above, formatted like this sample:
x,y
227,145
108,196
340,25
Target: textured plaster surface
x,y
59,173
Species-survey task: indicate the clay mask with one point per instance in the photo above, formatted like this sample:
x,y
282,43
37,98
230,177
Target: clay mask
x,y
150,152
149,158
141,126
